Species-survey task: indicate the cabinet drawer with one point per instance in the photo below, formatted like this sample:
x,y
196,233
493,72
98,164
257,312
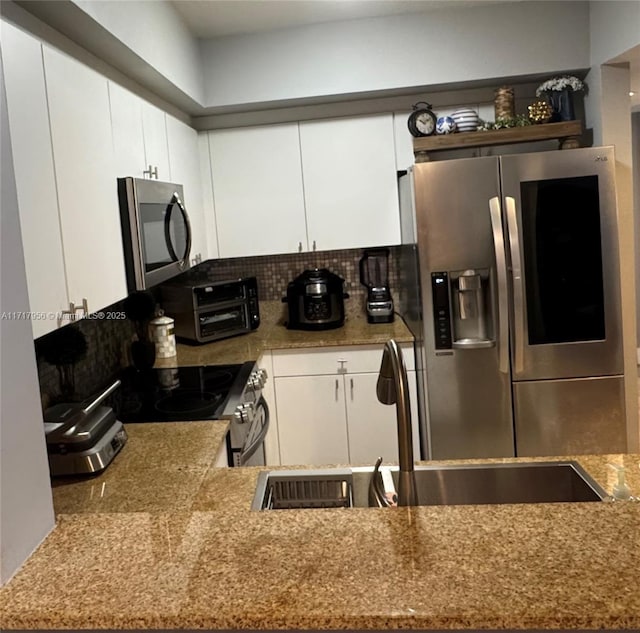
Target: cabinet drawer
x,y
327,360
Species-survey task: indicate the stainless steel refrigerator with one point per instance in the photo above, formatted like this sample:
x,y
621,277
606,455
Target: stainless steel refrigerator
x,y
511,286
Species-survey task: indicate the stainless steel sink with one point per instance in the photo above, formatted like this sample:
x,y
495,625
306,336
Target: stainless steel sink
x,y
530,482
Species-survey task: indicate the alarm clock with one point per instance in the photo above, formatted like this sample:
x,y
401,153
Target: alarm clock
x,y
422,121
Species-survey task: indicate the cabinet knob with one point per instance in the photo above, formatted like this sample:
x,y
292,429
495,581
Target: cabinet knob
x,y
342,369
299,247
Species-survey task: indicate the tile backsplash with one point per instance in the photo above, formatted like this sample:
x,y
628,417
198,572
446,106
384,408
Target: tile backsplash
x,y
274,272
108,340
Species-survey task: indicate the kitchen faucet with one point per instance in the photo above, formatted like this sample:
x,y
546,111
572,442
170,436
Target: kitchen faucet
x,y
393,387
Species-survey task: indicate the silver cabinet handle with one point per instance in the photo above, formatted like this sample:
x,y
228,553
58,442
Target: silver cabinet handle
x,y
502,337
71,312
314,245
342,369
351,388
151,171
518,289
85,306
299,247
337,388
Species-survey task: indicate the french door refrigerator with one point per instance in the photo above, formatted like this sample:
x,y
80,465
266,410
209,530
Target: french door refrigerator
x,y
512,288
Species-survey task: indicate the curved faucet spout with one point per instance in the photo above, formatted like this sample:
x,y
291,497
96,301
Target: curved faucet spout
x,y
393,388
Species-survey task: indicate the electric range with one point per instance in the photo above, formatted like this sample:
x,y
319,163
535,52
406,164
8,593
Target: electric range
x,y
210,392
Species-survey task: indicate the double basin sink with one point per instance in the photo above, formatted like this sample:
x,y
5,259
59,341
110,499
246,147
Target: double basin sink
x,y
531,482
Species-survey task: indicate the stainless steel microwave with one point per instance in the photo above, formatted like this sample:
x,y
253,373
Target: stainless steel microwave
x,y
156,233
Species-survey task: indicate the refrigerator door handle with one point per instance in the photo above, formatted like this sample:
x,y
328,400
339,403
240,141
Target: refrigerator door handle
x,y
501,273
518,289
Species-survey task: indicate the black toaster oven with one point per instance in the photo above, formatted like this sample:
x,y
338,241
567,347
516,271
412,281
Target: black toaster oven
x,y
213,310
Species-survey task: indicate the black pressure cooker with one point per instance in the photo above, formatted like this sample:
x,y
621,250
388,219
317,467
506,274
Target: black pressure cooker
x,y
316,300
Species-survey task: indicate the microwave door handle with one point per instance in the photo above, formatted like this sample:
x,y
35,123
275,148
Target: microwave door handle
x,y
175,201
247,453
518,286
495,214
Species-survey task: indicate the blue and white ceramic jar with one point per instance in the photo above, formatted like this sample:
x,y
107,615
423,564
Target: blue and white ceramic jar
x,y
445,125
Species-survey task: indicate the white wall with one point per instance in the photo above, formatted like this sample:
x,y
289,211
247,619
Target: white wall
x,y
26,509
154,31
614,29
437,47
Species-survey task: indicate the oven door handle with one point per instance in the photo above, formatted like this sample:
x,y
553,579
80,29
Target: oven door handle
x,y
247,453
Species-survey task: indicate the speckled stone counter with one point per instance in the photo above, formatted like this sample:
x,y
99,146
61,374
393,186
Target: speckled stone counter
x,y
273,334
160,469
196,557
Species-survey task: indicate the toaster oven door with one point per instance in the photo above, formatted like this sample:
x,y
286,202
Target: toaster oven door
x,y
222,321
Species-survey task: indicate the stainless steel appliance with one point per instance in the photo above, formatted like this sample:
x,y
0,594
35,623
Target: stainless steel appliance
x,y
374,274
156,233
316,300
212,392
213,310
83,438
513,292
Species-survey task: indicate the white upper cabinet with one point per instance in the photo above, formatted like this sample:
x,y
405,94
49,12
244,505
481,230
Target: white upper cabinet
x,y
208,206
140,142
257,188
35,176
85,175
128,138
185,170
156,147
350,182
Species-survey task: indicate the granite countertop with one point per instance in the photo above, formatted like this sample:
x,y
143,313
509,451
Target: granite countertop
x,y
272,334
164,540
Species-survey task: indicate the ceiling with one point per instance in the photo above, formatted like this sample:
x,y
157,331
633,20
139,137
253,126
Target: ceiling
x,y
218,18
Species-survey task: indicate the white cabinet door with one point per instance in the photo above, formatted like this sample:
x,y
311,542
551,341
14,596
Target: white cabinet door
x,y
35,176
257,189
312,425
208,208
185,170
156,148
350,182
373,430
128,138
372,426
85,177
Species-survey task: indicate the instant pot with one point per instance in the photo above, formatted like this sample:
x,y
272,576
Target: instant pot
x,y
316,300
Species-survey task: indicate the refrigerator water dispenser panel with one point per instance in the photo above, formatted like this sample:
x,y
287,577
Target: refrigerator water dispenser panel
x,y
472,316
441,310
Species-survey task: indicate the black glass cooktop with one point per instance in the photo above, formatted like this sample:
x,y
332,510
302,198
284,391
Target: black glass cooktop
x,y
181,394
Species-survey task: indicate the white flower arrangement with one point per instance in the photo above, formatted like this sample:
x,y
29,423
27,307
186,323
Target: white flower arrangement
x,y
565,82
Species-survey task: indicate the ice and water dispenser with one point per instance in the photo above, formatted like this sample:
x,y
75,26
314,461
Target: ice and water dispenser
x,y
462,309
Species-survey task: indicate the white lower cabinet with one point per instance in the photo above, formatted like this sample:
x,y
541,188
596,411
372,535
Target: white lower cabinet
x,y
372,426
312,420
335,418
